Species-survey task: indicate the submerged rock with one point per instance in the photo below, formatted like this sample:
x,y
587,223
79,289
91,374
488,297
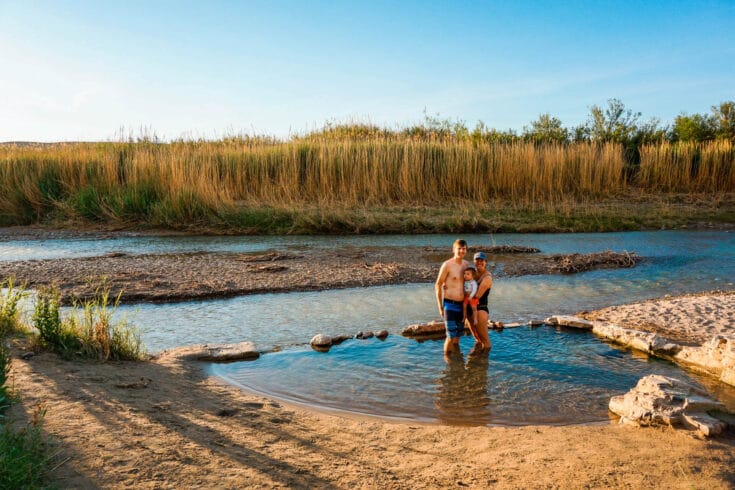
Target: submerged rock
x,y
381,334
669,401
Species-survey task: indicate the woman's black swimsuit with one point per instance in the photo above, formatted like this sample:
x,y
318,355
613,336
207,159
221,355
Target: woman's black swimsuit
x,y
482,303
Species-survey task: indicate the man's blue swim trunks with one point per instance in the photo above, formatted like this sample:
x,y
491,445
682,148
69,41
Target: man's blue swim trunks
x,y
453,318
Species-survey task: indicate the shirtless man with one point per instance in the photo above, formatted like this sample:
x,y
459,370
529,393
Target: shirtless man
x,y
450,295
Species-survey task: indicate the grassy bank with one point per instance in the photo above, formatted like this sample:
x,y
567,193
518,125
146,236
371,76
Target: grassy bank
x,y
370,185
87,332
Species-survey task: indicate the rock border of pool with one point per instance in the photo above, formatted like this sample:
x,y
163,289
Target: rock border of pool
x,y
662,400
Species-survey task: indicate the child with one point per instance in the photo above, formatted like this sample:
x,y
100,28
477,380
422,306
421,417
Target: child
x,y
470,288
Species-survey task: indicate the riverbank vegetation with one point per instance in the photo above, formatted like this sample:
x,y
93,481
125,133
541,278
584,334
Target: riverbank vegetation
x,y
88,331
24,456
614,172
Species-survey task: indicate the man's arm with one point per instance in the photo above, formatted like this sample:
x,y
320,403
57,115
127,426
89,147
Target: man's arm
x,y
439,288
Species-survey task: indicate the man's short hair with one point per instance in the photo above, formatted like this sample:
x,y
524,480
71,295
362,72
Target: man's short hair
x,y
459,243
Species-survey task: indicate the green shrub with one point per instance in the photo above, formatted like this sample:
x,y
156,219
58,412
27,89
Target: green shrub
x,y
24,457
9,299
5,395
89,330
47,320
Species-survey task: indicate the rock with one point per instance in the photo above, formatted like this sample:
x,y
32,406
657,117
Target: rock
x,y
569,321
716,357
728,376
663,400
708,426
241,351
364,335
647,342
381,334
27,355
510,325
535,323
432,329
321,340
338,339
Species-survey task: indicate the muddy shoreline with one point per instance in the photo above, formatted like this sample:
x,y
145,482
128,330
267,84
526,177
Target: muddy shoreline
x,y
205,275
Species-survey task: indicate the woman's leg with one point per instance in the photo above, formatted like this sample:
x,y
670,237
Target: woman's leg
x,y
481,329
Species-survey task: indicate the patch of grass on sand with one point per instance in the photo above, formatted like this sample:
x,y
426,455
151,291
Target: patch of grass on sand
x,y
89,331
10,296
24,455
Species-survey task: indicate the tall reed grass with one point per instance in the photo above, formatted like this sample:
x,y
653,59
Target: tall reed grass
x,y
688,167
167,184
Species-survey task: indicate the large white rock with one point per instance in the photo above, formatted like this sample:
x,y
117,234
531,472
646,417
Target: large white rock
x,y
663,400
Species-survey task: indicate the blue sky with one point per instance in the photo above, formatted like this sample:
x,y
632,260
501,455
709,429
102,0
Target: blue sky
x,y
78,70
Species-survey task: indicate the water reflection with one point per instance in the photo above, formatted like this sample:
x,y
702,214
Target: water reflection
x,y
531,376
462,390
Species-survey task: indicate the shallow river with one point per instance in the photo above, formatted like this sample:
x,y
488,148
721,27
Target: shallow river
x,y
528,371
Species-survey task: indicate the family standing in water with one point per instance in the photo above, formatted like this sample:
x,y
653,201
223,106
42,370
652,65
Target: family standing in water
x,y
462,289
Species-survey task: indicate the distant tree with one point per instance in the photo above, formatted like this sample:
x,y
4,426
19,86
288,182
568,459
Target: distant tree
x,y
580,133
724,116
615,123
546,129
482,134
648,132
697,127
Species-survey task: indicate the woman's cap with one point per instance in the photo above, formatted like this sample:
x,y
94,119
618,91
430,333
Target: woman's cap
x,y
481,256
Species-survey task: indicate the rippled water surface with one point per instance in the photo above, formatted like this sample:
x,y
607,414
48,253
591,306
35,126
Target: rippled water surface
x,y
532,376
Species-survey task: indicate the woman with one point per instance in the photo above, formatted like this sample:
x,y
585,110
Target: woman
x,y
484,284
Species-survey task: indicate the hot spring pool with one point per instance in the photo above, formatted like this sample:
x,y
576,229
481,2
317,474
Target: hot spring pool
x,y
531,376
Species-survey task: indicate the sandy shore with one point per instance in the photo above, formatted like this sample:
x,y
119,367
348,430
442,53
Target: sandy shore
x,y
691,318
164,424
